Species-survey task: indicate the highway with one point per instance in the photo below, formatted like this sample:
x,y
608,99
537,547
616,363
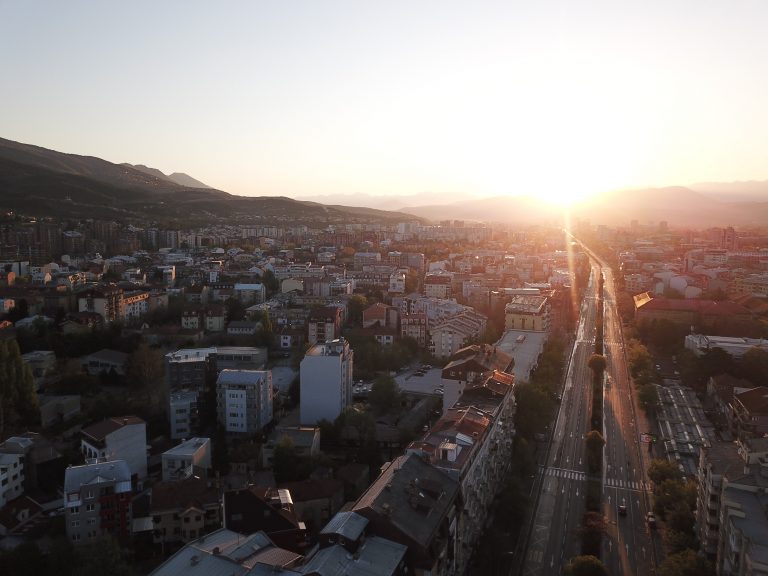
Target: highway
x,y
629,548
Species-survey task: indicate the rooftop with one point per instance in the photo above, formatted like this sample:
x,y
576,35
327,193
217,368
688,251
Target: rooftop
x,y
100,430
188,447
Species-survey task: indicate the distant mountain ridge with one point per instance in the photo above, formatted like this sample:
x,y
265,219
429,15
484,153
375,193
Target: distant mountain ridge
x,y
177,177
42,182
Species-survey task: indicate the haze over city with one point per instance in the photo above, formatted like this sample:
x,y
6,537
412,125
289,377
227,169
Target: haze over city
x,y
304,99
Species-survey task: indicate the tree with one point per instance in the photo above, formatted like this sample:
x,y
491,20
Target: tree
x,y
648,397
597,363
18,399
685,563
285,461
385,395
595,442
591,532
235,309
355,306
534,406
586,566
145,366
754,365
661,470
103,557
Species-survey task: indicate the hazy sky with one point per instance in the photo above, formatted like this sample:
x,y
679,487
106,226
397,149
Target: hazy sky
x,y
396,97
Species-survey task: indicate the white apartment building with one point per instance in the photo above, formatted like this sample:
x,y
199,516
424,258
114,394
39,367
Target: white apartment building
x,y
326,381
397,282
183,413
11,477
120,438
244,400
190,458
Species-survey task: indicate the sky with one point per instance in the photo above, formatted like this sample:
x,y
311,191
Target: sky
x,y
301,98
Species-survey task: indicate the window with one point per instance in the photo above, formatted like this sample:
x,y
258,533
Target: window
x,y
75,537
89,494
75,510
90,507
75,523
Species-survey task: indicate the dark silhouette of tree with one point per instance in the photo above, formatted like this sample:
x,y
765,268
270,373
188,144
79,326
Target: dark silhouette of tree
x,y
594,443
661,470
18,399
145,367
385,395
648,397
685,563
597,363
586,566
754,365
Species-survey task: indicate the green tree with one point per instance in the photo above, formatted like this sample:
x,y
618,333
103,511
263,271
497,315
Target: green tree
x,y
534,407
648,397
146,368
594,442
355,306
285,461
591,531
18,399
385,395
586,566
685,563
661,470
597,363
754,365
235,309
103,557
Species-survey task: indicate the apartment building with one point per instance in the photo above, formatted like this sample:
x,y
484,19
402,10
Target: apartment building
x,y
472,444
414,326
11,477
183,413
184,510
470,366
326,381
121,438
417,505
525,312
323,324
437,286
453,333
190,458
244,400
97,501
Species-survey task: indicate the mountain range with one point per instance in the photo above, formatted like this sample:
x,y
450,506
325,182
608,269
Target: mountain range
x,y
38,181
41,182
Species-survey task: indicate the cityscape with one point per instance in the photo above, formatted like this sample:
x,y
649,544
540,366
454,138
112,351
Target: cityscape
x,y
401,290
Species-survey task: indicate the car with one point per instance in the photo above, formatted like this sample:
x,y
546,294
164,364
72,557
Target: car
x,y
651,519
439,391
622,509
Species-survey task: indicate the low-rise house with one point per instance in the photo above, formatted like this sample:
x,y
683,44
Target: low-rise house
x,y
470,366
190,458
243,328
316,501
345,548
229,553
259,509
97,501
106,361
305,439
380,315
750,412
57,409
184,510
121,438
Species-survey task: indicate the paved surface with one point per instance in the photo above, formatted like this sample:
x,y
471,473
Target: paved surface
x,y
561,483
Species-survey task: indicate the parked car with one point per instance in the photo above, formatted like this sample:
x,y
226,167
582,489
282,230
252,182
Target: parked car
x,y
622,509
651,519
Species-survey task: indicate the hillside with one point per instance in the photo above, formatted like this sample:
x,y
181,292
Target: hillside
x,y
41,182
177,177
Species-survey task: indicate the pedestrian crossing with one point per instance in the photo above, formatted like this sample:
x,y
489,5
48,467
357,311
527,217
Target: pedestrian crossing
x,y
627,484
581,476
565,473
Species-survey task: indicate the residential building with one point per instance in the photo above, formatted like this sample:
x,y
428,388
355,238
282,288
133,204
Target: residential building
x,y
417,505
306,442
97,501
190,458
183,413
326,381
106,361
121,438
323,324
250,293
454,333
184,510
380,315
366,259
243,328
472,443
736,347
244,400
710,315
315,501
414,326
397,282
11,477
344,548
106,301
42,466
269,510
56,409
750,412
437,286
229,553
471,366
525,312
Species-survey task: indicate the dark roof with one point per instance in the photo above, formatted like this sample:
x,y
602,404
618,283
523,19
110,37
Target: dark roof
x,y
308,490
412,496
192,492
755,400
102,429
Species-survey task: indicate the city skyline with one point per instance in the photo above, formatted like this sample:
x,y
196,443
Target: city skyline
x,y
305,99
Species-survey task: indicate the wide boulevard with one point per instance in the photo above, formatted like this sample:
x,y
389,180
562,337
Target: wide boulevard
x,y
560,486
